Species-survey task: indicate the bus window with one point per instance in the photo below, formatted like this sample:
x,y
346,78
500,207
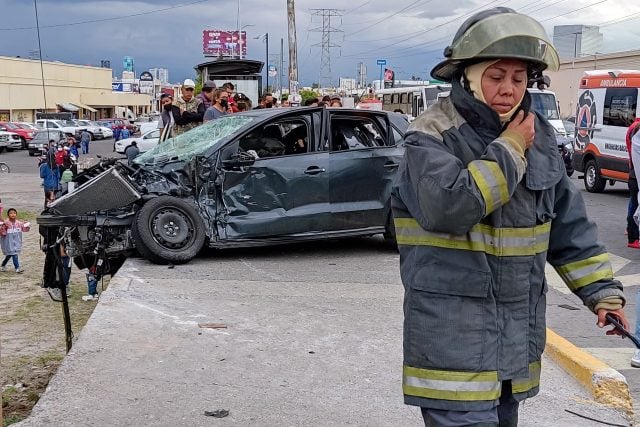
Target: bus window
x,y
394,98
410,98
386,99
403,98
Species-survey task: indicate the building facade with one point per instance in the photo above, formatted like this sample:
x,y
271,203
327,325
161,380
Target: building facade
x,y
160,74
575,41
82,90
566,81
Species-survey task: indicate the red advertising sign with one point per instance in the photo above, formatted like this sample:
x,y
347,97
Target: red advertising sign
x,y
225,43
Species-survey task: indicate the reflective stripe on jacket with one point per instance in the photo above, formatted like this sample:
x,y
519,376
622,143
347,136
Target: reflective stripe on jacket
x,y
475,226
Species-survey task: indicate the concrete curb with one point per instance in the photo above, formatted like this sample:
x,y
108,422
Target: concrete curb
x,y
607,385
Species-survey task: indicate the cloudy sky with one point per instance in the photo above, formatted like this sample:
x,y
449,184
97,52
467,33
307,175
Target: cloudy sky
x,y
410,34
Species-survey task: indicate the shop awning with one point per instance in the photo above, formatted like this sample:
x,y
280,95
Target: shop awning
x,y
68,106
85,107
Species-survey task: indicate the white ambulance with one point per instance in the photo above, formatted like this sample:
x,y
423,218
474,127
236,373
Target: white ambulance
x,y
607,105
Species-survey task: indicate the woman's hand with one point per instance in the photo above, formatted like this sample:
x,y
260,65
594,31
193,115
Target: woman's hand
x,y
524,125
603,322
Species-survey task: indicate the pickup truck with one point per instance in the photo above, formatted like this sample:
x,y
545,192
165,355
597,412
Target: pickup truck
x,y
66,126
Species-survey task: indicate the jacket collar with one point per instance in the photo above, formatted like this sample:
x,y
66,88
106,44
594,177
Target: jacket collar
x,y
544,165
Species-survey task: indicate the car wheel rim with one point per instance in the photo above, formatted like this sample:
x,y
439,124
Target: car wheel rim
x,y
171,228
591,177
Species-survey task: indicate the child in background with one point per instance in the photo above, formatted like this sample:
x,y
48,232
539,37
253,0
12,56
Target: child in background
x,y
11,239
49,198
92,285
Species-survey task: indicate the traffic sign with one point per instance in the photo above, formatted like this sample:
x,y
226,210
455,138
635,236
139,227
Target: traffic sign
x,y
381,62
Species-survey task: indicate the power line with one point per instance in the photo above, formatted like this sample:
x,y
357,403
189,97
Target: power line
x,y
92,21
385,18
571,11
357,7
424,31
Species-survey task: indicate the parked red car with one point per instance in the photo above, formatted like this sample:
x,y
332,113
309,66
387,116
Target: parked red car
x,y
25,134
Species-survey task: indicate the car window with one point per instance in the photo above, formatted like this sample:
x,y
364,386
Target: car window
x,y
196,141
52,125
154,134
397,136
352,133
278,138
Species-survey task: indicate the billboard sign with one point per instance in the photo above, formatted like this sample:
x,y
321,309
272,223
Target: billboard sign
x,y
225,43
389,77
117,87
146,82
381,62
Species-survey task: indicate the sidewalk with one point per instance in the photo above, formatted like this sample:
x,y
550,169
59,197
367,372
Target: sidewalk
x,y
569,318
301,346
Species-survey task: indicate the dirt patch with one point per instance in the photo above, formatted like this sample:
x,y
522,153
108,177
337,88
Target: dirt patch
x,y
32,341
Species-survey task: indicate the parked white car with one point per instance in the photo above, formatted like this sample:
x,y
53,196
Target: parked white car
x,y
145,142
96,130
10,141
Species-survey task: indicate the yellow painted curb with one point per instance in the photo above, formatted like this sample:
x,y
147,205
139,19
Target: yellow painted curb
x,y
607,385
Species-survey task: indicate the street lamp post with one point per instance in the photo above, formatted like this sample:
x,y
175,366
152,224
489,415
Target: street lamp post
x,y
265,37
240,44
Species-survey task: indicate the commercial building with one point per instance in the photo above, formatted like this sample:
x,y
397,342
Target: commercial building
x,y
160,74
566,82
575,41
83,90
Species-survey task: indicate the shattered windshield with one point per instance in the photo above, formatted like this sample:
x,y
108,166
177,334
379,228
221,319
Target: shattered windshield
x,y
195,141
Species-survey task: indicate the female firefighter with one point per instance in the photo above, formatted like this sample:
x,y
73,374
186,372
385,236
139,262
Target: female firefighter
x,y
481,202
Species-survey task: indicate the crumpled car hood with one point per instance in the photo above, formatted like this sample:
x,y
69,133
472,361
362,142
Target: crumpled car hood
x,y
109,190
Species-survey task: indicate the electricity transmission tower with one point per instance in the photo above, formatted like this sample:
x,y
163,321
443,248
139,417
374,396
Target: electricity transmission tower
x,y
326,45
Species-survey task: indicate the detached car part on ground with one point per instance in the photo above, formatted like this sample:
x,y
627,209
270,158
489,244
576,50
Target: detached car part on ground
x,y
258,178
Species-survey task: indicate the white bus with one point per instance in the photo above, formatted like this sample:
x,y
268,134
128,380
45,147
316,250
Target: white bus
x,y
412,100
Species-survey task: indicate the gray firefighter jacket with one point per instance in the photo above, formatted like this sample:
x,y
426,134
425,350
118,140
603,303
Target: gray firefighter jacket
x,y
475,224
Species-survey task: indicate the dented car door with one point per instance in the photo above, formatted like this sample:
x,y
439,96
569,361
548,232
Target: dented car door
x,y
285,190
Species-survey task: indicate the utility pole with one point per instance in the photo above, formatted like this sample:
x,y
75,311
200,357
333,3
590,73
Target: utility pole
x,y
281,72
293,52
326,45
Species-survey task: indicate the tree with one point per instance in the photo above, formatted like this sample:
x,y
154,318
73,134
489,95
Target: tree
x,y
315,85
308,94
198,82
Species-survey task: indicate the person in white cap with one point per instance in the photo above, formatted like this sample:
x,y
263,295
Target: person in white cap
x,y
191,108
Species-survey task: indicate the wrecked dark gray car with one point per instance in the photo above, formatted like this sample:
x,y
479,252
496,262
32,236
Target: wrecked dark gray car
x,y
263,177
